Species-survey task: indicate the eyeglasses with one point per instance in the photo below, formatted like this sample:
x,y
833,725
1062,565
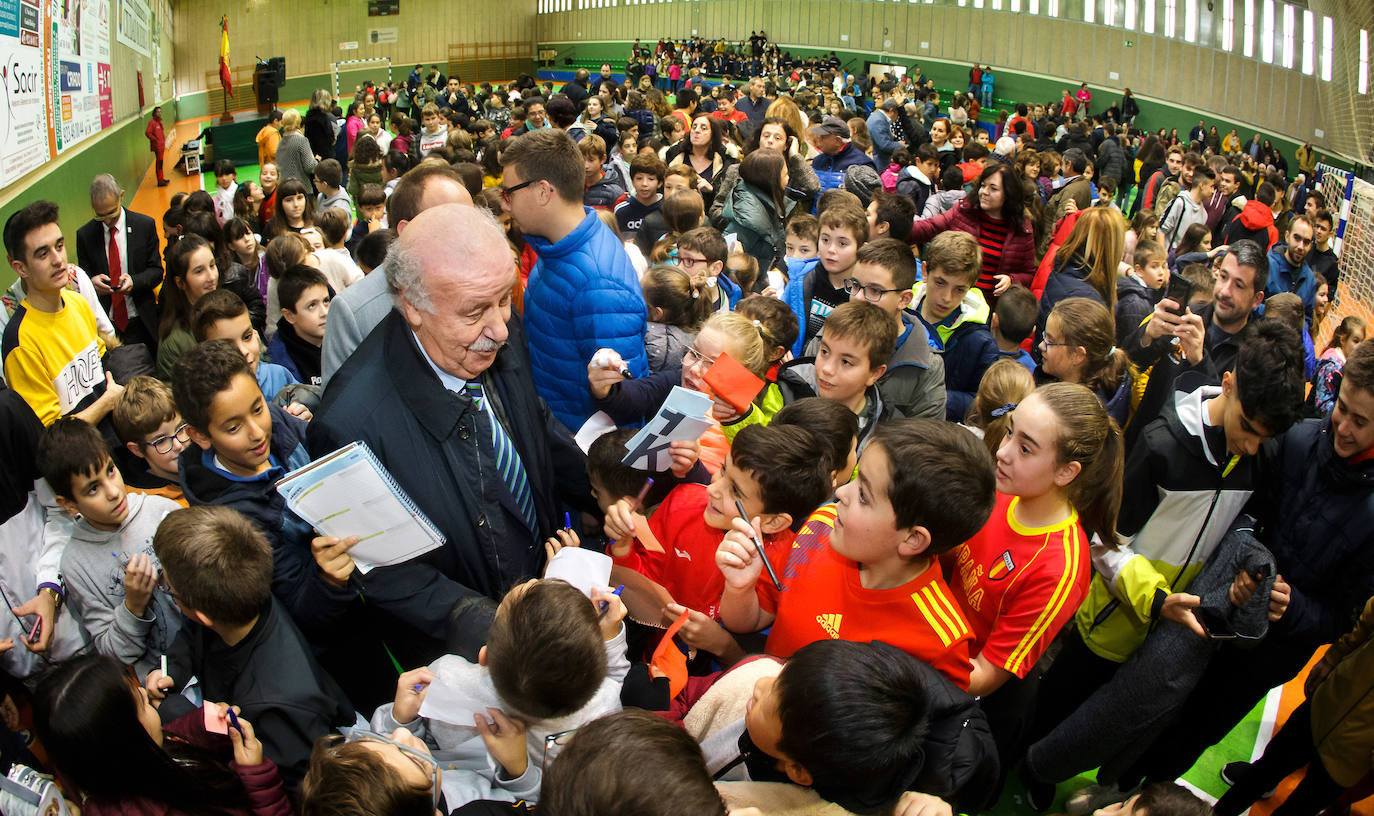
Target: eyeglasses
x,y
687,262
697,358
422,760
507,192
1048,343
163,444
553,741
872,293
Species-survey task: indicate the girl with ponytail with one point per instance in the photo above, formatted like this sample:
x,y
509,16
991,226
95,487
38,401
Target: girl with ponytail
x,y
1078,346
1021,578
677,307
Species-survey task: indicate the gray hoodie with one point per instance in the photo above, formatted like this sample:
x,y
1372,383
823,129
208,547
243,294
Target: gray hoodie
x,y
93,567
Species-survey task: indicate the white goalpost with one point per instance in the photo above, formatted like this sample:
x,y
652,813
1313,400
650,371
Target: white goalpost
x,y
353,66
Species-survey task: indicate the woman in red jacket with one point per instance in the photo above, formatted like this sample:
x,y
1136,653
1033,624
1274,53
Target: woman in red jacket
x,y
114,756
995,214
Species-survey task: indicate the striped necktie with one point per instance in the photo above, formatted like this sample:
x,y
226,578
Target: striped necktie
x,y
507,459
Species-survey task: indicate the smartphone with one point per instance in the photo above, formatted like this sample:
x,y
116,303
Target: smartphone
x,y
1216,624
1180,291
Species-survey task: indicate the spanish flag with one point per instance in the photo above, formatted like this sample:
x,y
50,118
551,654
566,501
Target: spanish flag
x,y
224,78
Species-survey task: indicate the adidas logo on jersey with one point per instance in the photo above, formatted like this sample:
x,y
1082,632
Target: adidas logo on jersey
x,y
831,625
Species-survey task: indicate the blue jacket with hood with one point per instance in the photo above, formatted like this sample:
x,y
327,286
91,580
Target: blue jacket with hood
x,y
967,348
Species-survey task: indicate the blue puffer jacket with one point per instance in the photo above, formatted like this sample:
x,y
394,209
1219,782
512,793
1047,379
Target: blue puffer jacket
x,y
1284,277
801,282
583,295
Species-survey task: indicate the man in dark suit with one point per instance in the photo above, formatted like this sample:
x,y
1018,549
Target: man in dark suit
x,y
119,250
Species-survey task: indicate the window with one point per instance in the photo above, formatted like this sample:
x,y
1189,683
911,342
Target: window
x,y
1170,15
1033,6
1109,12
1130,15
996,5
1228,25
1149,16
1249,28
1328,46
1266,32
1090,10
1290,27
1190,20
1364,62
1016,5
1309,42
1053,8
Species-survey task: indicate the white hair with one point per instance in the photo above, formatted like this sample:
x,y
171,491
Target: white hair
x,y
405,268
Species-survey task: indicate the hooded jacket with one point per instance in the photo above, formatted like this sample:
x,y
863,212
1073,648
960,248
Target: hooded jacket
x,y
913,184
1134,302
1255,221
966,347
1181,491
848,156
753,217
914,383
797,380
583,295
1111,160
1316,512
295,578
1285,277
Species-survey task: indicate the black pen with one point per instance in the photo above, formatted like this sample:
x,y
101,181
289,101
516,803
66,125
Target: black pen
x,y
758,545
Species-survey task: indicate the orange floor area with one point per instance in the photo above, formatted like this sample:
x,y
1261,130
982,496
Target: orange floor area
x,y
154,200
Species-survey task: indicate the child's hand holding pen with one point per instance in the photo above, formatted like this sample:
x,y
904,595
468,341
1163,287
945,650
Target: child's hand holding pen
x,y
738,559
620,520
565,537
610,610
410,693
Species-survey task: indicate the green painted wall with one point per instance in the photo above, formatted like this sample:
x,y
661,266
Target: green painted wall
x,y
121,151
1010,87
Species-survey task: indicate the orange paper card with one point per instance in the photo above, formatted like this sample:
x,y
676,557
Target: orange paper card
x,y
215,721
669,660
645,535
733,382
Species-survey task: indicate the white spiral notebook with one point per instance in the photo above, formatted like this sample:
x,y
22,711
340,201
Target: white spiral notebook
x,y
350,493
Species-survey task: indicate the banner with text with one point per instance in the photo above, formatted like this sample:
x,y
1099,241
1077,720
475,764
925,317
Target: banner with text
x,y
134,26
80,61
24,128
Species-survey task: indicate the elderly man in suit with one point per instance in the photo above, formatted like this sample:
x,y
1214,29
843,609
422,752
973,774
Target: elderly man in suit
x,y
118,248
441,391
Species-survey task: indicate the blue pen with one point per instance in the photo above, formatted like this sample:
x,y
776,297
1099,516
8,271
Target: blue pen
x,y
567,521
234,720
606,605
417,687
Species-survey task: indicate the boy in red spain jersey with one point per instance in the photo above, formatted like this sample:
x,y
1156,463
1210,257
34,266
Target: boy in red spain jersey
x,y
865,567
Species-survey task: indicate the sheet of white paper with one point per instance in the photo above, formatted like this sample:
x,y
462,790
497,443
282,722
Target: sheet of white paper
x,y
682,416
776,281
583,569
731,239
596,425
450,704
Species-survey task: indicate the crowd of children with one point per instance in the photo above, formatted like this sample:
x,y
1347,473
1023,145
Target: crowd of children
x,y
985,466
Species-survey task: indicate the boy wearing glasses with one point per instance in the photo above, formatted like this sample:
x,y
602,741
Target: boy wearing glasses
x,y
914,383
108,563
955,317
147,421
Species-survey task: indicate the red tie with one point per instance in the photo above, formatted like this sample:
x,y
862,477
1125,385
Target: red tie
x,y
119,310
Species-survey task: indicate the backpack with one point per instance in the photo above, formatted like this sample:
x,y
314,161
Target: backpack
x,y
1168,191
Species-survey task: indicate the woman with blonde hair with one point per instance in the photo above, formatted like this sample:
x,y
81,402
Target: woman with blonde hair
x,y
1086,265
785,109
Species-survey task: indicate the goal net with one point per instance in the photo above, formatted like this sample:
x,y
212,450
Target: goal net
x,y
350,74
1354,244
